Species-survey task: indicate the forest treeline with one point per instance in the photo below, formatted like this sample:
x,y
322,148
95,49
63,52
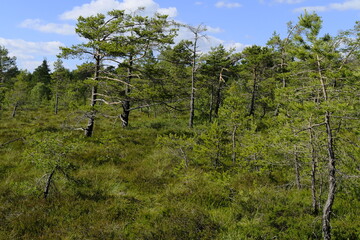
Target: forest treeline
x,y
151,139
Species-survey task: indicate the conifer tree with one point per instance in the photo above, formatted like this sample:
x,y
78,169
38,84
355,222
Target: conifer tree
x,y
317,98
122,39
41,81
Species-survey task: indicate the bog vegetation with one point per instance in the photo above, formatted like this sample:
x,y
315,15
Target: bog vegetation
x,y
151,139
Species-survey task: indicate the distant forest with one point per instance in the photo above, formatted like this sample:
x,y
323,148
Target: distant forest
x,y
152,139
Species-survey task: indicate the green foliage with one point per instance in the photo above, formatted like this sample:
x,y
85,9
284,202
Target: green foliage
x,y
8,68
50,150
178,147
211,147
41,80
39,93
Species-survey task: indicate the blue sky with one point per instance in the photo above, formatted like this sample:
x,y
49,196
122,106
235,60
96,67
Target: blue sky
x,y
34,30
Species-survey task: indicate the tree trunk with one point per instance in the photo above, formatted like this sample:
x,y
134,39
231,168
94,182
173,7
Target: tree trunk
x,y
218,99
48,183
126,113
211,104
323,87
56,102
253,96
313,172
90,126
326,227
14,109
297,170
126,104
327,210
193,70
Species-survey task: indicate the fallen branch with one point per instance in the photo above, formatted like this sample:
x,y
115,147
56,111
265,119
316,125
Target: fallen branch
x,y
11,141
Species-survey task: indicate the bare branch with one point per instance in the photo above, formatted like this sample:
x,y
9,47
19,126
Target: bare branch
x,y
310,127
117,80
13,140
108,103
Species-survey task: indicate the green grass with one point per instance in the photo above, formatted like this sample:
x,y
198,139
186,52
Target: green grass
x,y
122,185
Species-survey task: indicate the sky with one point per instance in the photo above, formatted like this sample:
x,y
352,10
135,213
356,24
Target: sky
x,y
33,30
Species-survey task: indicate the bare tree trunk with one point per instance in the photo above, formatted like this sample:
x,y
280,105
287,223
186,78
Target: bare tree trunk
x,y
321,190
218,99
192,94
48,183
56,102
211,104
253,96
326,227
126,105
323,87
91,122
90,126
297,170
313,173
197,35
186,160
14,109
126,113
327,210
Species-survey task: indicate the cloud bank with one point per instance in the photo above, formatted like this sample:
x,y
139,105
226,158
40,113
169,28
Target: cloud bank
x,y
103,6
30,54
346,5
225,4
39,25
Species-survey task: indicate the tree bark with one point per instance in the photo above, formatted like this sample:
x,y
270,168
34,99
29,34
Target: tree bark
x,y
253,96
326,227
327,210
211,104
126,105
192,94
323,87
14,109
48,183
313,173
90,126
297,170
218,99
126,113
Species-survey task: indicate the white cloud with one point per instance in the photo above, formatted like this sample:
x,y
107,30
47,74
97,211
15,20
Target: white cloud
x,y
222,4
206,42
346,5
312,9
214,30
171,12
238,46
28,53
37,24
103,6
199,3
210,41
